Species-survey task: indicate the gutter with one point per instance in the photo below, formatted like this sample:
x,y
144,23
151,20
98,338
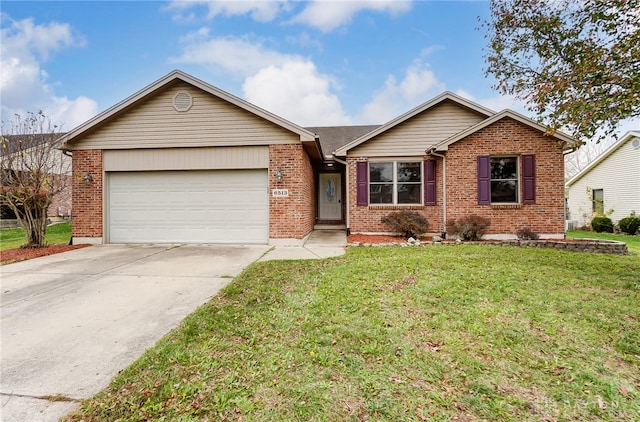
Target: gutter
x,y
433,152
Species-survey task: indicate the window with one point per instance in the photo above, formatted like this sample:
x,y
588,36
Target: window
x,y
500,180
504,179
395,182
597,201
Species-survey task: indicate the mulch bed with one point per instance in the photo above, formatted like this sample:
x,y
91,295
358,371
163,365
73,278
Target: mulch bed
x,y
377,239
22,254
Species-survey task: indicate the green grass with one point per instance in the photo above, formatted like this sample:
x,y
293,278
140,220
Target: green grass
x,y
14,238
461,332
633,242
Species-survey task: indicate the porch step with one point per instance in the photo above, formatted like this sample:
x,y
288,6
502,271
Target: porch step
x,y
329,227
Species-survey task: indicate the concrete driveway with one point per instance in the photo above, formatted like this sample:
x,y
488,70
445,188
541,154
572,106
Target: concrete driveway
x,y
71,321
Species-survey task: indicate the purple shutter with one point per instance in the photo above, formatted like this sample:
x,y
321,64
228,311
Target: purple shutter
x,y
528,179
430,182
484,180
362,182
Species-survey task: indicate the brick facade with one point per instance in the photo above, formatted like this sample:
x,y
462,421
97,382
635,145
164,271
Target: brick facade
x,y
508,137
87,198
292,216
504,137
366,219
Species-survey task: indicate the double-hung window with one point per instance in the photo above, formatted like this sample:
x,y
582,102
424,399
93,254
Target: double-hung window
x,y
506,179
395,182
597,201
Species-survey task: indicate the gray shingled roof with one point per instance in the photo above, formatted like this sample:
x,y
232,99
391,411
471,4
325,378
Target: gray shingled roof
x,y
333,137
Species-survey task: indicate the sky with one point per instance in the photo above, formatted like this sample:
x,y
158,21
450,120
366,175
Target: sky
x,y
315,63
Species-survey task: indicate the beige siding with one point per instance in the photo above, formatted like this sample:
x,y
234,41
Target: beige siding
x,y
618,176
211,121
413,137
187,159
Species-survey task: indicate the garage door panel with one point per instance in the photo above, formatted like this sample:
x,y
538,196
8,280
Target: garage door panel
x,y
220,206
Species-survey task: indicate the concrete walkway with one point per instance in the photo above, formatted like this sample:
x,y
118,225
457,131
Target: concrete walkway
x,y
320,244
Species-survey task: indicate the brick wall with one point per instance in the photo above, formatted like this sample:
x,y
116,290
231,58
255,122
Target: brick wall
x,y
508,137
505,137
292,216
367,219
61,203
87,198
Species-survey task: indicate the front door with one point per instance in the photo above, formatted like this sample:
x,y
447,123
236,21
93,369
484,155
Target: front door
x,y
330,196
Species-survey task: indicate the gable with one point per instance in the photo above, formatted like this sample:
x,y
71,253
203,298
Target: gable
x,y
623,155
153,122
421,132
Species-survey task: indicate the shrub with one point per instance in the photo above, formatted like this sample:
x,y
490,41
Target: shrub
x,y
629,225
526,233
602,224
471,227
409,223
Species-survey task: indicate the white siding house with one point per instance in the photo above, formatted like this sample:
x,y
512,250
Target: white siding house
x,y
611,184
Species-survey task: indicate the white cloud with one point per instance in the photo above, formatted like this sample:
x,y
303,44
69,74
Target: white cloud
x,y
285,84
24,85
296,91
327,15
419,85
237,56
499,102
260,10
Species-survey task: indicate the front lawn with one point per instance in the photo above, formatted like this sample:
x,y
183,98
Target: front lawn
x,y
459,332
14,238
633,242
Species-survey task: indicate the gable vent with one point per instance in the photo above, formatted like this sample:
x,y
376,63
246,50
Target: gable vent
x,y
636,143
182,101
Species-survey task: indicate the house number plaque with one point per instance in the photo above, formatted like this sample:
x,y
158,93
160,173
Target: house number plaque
x,y
280,193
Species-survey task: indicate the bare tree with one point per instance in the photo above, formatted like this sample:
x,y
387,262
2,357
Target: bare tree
x,y
575,162
33,171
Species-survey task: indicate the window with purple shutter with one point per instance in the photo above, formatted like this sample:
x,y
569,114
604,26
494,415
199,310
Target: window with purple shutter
x,y
430,182
362,183
484,180
528,179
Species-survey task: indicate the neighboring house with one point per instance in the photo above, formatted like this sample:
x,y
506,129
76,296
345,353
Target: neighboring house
x,y
609,185
184,162
60,207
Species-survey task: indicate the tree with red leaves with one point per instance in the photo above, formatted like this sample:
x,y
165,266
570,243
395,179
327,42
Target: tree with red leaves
x,y
575,63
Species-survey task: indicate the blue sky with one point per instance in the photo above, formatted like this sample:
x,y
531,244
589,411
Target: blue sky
x,y
314,63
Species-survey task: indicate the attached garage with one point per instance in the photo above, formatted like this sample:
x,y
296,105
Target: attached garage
x,y
181,161
213,206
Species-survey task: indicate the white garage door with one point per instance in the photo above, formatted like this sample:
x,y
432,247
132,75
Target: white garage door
x,y
217,206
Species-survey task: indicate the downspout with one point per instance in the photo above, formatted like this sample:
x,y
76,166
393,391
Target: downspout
x,y
346,184
433,152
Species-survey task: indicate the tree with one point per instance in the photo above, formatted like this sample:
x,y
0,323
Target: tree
x,y
576,63
33,171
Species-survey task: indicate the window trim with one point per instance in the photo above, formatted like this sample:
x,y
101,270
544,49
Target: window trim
x,y
597,203
518,179
394,182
